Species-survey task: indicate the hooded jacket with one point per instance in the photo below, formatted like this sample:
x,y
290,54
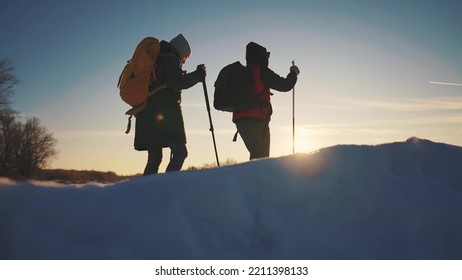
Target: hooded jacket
x,y
264,79
161,122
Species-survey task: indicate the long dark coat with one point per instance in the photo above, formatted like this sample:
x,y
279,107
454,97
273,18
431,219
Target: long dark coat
x,y
161,122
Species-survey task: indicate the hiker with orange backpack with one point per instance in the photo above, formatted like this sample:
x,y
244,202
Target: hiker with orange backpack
x,y
253,123
160,124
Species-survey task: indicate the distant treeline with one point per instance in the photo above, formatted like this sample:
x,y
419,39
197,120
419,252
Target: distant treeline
x,y
80,176
85,176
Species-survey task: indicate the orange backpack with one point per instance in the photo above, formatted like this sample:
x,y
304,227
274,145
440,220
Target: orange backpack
x,y
136,76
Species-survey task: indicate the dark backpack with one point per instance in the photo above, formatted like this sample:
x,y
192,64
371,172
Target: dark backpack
x,y
233,89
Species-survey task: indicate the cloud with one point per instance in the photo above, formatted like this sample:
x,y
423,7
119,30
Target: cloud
x,y
446,84
415,105
399,105
385,122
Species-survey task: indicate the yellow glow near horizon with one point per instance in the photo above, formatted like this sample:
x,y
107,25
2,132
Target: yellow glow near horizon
x,y
302,143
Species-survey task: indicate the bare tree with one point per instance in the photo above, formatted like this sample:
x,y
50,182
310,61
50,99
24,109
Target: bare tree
x,y
37,148
24,148
7,82
9,129
9,134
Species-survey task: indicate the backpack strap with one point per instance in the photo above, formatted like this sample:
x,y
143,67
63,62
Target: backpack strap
x,y
122,73
133,112
235,136
129,125
138,108
156,90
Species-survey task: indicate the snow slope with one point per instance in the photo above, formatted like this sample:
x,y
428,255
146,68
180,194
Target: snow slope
x,y
394,201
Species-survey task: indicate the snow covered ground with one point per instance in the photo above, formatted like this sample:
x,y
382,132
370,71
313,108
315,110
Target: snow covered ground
x,y
393,201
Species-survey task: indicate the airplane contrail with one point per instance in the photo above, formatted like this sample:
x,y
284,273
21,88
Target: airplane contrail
x,y
446,84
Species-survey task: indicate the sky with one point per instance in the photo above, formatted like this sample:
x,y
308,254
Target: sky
x,y
371,71
393,201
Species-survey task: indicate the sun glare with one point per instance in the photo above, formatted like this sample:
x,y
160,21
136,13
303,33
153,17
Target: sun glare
x,y
302,143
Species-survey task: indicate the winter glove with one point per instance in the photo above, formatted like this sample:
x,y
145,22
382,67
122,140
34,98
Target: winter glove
x,y
201,68
294,69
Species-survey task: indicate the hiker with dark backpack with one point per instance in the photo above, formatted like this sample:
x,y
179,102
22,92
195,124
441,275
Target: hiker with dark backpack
x,y
253,123
160,123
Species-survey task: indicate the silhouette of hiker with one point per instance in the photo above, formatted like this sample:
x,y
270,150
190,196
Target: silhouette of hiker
x,y
253,123
160,124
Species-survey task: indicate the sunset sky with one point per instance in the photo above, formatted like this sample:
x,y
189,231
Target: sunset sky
x,y
371,71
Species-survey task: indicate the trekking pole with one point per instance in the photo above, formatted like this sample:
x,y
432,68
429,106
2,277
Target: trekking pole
x,y
210,119
293,115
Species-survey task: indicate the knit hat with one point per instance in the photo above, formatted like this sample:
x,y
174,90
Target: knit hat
x,y
181,45
256,54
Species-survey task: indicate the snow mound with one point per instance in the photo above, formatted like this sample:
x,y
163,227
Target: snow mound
x,y
393,201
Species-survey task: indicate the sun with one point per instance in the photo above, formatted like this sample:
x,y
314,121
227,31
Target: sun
x,y
302,143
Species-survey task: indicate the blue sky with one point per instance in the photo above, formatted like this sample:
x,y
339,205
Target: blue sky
x,y
371,71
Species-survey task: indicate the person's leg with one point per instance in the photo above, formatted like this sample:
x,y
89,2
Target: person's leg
x,y
256,137
265,140
154,160
178,155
